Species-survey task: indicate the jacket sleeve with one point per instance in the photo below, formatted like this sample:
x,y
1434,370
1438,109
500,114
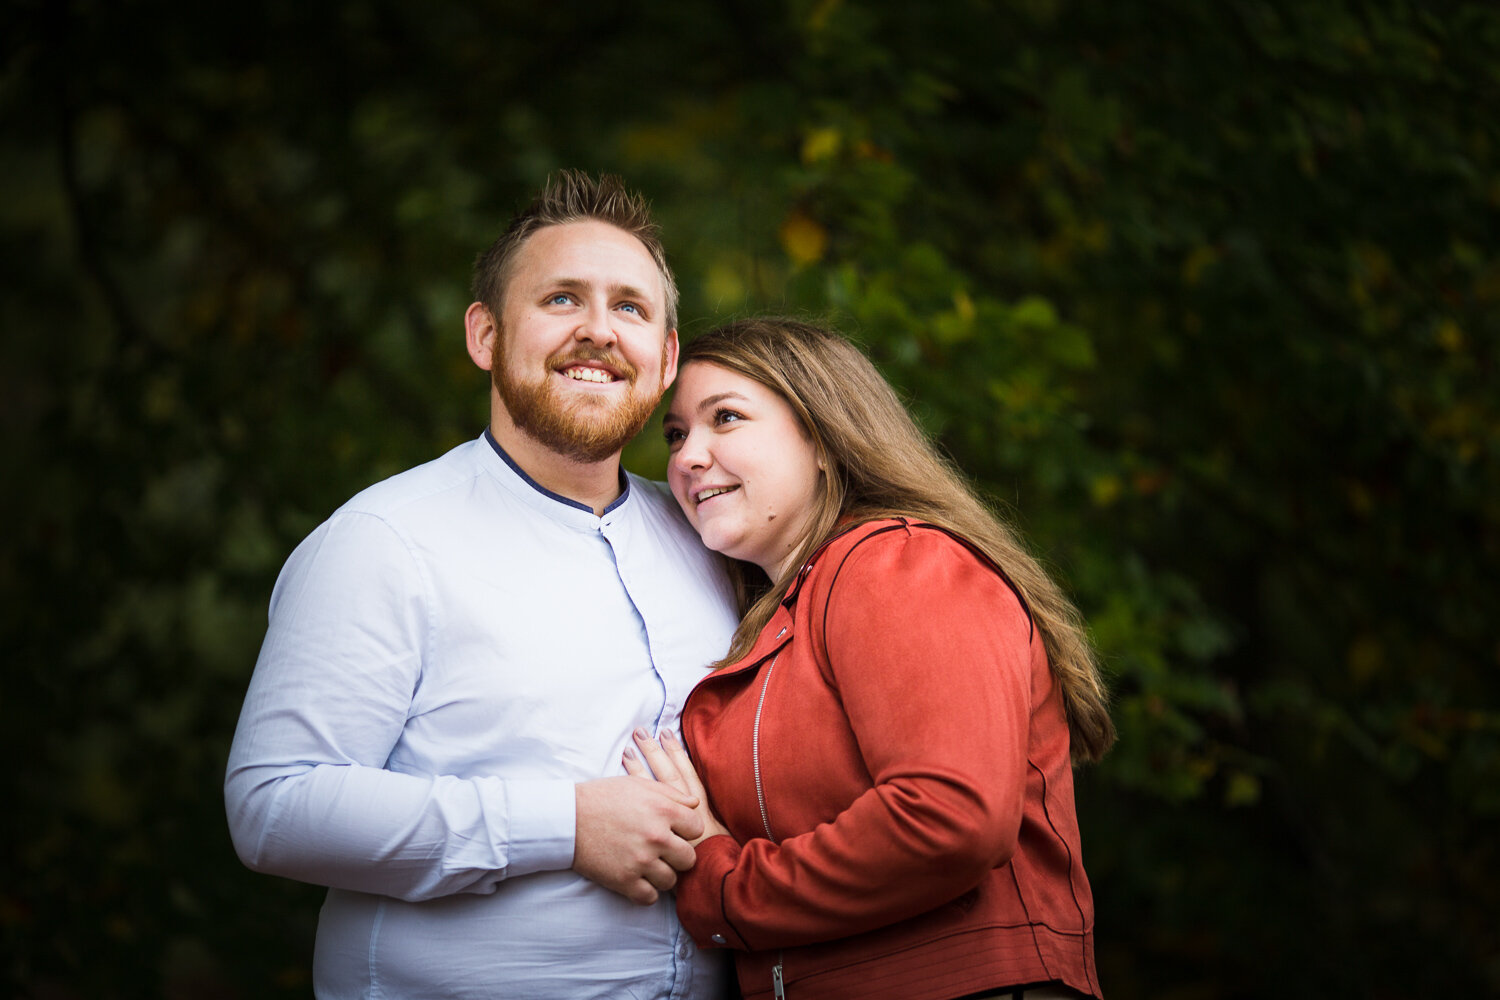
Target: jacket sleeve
x,y
930,652
308,789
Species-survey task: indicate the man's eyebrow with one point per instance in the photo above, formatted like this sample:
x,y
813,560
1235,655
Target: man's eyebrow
x,y
616,290
629,292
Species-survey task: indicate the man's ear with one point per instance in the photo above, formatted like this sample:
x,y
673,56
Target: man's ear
x,y
669,354
482,334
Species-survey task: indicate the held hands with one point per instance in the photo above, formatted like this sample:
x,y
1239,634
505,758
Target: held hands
x,y
633,835
669,761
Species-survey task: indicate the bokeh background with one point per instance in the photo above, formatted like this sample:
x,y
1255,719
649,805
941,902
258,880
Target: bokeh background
x,y
1204,294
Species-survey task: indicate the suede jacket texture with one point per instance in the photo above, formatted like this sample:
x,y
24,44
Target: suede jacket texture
x,y
891,760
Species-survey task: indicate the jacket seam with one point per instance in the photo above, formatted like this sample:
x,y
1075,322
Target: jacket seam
x,y
994,566
1072,880
897,525
724,909
1031,925
821,636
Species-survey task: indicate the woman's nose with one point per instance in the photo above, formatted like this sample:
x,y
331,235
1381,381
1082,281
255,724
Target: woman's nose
x,y
691,453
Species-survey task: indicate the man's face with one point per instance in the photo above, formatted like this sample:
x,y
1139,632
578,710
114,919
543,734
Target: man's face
x,y
582,353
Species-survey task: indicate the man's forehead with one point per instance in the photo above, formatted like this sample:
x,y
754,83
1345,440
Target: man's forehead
x,y
589,254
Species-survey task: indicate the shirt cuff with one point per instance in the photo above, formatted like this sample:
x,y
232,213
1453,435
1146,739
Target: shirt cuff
x,y
700,895
543,822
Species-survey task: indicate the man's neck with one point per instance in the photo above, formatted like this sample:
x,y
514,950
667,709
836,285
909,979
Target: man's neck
x,y
593,484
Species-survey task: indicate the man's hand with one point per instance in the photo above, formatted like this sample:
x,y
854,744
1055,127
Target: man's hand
x,y
634,835
669,762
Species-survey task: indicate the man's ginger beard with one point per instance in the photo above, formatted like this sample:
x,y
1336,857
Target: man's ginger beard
x,y
584,429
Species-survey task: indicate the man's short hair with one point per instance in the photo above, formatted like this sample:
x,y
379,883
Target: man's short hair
x,y
572,196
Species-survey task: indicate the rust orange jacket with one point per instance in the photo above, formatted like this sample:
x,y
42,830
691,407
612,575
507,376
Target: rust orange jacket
x,y
891,760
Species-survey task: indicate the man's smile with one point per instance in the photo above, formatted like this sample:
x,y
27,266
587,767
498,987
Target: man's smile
x,y
581,373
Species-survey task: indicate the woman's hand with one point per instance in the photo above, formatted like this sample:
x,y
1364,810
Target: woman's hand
x,y
668,762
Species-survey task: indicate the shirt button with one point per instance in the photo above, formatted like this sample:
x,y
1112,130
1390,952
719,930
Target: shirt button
x,y
717,939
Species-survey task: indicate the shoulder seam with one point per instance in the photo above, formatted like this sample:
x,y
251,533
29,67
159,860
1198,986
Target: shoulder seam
x,y
896,526
912,526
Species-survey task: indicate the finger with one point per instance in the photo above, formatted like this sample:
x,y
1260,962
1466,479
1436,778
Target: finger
x,y
674,794
643,893
660,875
648,785
689,823
680,855
681,763
656,757
633,763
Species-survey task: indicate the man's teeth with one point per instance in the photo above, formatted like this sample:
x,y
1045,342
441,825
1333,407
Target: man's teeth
x,y
712,493
589,375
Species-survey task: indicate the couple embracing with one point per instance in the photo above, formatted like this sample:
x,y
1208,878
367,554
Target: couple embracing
x,y
464,719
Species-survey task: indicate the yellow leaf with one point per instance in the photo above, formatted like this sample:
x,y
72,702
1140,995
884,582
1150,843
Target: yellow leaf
x,y
803,239
1196,263
1450,336
963,305
818,19
1366,657
821,144
724,286
1242,789
1361,501
1105,489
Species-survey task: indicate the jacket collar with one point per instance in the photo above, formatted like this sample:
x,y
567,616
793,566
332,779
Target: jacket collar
x,y
863,530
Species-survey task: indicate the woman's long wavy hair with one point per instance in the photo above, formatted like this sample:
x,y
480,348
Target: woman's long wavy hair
x,y
879,464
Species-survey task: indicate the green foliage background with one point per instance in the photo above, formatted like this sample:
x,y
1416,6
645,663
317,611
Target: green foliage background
x,y
1205,294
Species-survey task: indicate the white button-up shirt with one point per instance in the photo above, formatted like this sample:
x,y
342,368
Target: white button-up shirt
x,y
447,656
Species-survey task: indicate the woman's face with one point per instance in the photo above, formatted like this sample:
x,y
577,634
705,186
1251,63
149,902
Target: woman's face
x,y
742,467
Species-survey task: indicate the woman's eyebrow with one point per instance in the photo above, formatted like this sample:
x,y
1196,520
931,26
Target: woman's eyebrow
x,y
719,397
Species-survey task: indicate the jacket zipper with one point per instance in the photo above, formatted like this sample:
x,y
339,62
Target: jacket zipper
x,y
760,790
778,988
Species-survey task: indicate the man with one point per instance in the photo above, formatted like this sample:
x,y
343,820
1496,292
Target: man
x,y
457,658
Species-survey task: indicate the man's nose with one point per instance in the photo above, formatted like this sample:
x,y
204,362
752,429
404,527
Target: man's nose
x,y
595,325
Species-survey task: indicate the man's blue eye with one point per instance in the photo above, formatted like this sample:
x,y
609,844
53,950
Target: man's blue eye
x,y
631,306
559,299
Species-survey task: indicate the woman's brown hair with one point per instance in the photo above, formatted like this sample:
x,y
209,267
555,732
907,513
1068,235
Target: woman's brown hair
x,y
880,464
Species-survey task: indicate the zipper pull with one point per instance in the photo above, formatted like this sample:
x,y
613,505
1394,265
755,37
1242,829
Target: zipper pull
x,y
776,985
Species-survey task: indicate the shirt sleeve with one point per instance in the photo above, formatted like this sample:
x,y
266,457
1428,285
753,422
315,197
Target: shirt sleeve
x,y
930,652
308,792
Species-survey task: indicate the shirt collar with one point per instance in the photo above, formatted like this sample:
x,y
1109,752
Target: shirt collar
x,y
558,497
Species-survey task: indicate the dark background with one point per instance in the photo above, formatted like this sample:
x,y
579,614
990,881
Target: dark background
x,y
1203,293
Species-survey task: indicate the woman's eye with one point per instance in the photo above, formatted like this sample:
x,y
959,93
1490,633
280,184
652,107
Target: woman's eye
x,y
673,436
726,416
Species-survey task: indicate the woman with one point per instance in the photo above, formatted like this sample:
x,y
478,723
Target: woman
x,y
888,742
